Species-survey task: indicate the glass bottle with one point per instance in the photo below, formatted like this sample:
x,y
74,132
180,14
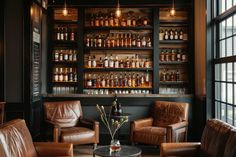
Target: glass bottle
x,y
66,34
116,81
125,84
129,21
65,78
179,55
138,81
56,78
94,80
101,20
129,81
61,75
116,21
147,79
112,80
147,63
97,20
173,55
143,43
107,80
58,37
167,76
116,62
138,41
139,21
149,42
172,76
74,55
161,35
181,35
145,21
137,61
122,40
111,20
167,56
91,20
103,81
71,75
111,62
134,41
106,64
177,75
56,55
106,22
133,80
142,82
87,40
163,75
117,41
133,22
72,35
129,40
176,37
75,76
133,63
127,62
162,56
62,34
94,62
125,40
89,62
99,40
121,80
171,34
100,64
112,39
166,35
123,22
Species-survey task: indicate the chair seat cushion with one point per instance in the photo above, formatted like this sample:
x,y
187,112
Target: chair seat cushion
x,y
150,135
77,135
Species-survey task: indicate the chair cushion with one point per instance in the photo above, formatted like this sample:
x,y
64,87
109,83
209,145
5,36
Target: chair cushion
x,y
214,138
150,135
63,113
230,149
166,113
77,135
16,140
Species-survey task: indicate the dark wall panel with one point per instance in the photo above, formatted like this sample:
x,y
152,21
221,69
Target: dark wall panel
x,y
2,51
14,54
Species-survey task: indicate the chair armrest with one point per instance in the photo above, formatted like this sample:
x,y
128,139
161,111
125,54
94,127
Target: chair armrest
x,y
178,125
92,124
56,130
142,123
186,149
52,149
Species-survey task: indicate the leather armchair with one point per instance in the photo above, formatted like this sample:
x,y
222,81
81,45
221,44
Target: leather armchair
x,y
16,141
168,122
218,140
66,117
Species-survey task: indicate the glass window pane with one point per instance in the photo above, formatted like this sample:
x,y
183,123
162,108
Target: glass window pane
x,y
217,109
234,26
217,91
222,29
229,48
217,72
229,4
223,111
230,93
223,92
229,27
234,3
234,45
223,72
234,72
221,6
230,72
222,48
234,94
230,114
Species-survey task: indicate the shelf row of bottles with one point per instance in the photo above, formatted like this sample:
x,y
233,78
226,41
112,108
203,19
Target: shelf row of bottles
x,y
114,91
116,62
173,55
173,90
118,40
65,55
64,90
118,80
110,20
65,33
172,76
170,34
65,74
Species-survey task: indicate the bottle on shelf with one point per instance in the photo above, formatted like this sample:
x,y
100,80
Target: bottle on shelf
x,y
106,21
138,41
173,55
171,35
133,21
66,34
72,35
89,81
178,56
143,42
106,62
55,76
134,41
176,37
101,20
162,56
129,20
94,62
65,75
147,79
89,62
92,20
139,21
116,62
97,20
62,34
56,55
177,75
161,35
166,35
58,37
181,35
60,77
111,20
111,62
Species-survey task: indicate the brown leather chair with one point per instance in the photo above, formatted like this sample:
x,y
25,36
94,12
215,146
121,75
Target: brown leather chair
x,y
69,124
16,141
2,111
168,122
218,140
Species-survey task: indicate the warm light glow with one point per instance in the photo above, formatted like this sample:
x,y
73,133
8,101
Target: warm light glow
x,y
118,12
172,12
65,12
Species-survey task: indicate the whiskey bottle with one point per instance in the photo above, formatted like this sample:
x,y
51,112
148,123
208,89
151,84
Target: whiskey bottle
x,y
147,63
173,55
71,75
121,40
99,40
116,81
133,22
171,35
107,80
178,57
106,23
75,76
112,40
167,56
116,62
62,34
58,37
184,57
125,40
61,56
89,62
149,43
176,37
162,56
129,81
89,81
139,21
87,40
185,35
138,41
74,55
106,63
134,41
181,35
111,62
142,82
137,61
91,20
98,83
147,79
70,56
129,40
128,64
97,20
103,81
56,78
138,81
116,21
129,20
123,22
94,62
133,63
56,55
177,76
100,63
143,42
65,57
101,20
163,75
167,76
66,34
161,35
133,81
125,81
72,35
172,76
61,75
166,36
65,75
145,21
121,80
111,20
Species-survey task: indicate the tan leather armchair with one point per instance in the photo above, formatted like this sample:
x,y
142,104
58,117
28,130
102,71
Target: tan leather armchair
x,y
16,141
218,140
168,122
69,125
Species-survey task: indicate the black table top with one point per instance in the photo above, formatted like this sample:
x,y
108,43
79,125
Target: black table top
x,y
126,151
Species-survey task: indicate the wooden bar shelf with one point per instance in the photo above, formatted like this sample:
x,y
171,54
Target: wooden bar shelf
x,y
119,28
116,69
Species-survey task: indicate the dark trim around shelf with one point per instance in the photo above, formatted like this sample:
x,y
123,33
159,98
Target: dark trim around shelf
x,y
173,41
117,69
89,28
118,48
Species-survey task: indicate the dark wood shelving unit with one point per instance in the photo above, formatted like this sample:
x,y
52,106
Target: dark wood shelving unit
x,y
125,88
173,41
173,82
118,48
88,28
65,42
173,63
65,22
116,69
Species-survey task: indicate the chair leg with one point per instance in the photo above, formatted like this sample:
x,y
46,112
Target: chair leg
x,y
94,145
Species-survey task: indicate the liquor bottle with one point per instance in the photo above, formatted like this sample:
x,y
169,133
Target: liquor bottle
x,y
185,35
89,62
179,55
98,81
162,56
133,21
108,41
121,40
141,63
99,41
106,23
111,20
147,63
166,36
172,76
116,21
94,62
89,81
128,64
167,75
116,81
138,41
111,62
167,56
103,81
87,40
117,41
142,82
58,37
147,79
101,20
106,63
125,40
91,41
177,75
61,75
70,56
161,35
72,35
133,62
75,76
95,43
119,109
65,78
129,40
184,57
176,37
56,78
149,42
107,80
134,41
97,20
129,20
133,84
121,80
56,55
65,57
66,34
62,34
71,75
171,35
74,55
139,21
145,21
112,40
116,62
138,81
137,61
173,55
125,84
181,34
121,64
163,75
129,81
143,43
100,63
91,20
123,22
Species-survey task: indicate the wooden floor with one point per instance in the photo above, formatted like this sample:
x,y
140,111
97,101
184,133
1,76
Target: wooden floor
x,y
86,151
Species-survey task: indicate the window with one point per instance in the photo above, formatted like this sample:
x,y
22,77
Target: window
x,y
225,62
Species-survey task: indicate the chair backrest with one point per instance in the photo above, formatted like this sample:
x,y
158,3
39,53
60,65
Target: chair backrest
x,y
16,140
2,110
165,113
230,149
63,113
214,138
